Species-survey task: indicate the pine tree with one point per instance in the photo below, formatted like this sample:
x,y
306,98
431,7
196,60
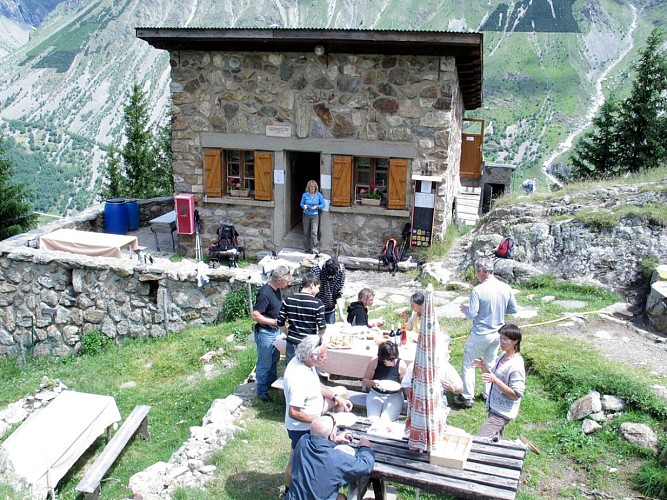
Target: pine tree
x,y
595,155
629,137
138,152
642,122
16,215
142,166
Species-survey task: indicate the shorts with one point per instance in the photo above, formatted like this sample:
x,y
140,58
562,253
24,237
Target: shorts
x,y
296,435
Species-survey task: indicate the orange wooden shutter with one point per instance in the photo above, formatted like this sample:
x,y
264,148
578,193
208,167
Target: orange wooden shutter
x,y
341,194
212,172
263,175
398,180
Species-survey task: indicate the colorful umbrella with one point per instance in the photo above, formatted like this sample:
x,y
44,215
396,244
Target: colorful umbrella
x,y
427,419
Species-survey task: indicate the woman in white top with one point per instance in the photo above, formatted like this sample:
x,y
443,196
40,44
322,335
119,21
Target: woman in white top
x,y
508,379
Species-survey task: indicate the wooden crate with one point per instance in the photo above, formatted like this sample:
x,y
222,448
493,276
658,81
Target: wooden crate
x,y
453,451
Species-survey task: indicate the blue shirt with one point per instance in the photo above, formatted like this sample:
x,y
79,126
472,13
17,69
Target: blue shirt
x,y
489,302
309,201
319,469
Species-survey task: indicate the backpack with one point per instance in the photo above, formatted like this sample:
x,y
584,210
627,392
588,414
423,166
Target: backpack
x,y
505,248
389,255
227,237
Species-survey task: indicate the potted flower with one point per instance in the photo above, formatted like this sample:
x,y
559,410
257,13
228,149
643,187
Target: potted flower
x,y
370,196
234,187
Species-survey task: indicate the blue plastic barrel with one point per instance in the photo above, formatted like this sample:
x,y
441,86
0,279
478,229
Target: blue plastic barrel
x,y
132,215
115,216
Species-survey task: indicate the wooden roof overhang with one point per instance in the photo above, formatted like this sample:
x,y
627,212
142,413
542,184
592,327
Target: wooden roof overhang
x,y
466,48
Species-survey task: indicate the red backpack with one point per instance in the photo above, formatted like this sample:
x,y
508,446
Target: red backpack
x,y
504,250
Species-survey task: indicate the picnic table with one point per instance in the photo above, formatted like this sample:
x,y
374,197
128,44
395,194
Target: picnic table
x,y
493,469
351,362
46,445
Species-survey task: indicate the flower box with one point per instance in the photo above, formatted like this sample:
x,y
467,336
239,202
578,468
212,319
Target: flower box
x,y
239,193
373,202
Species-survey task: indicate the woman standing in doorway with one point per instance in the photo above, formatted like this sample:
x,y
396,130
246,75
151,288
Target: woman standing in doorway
x,y
312,202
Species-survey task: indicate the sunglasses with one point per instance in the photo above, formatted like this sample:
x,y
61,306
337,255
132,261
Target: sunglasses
x,y
505,340
333,421
391,360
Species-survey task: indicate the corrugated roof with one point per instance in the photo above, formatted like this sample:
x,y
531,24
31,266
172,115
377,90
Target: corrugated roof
x,y
465,47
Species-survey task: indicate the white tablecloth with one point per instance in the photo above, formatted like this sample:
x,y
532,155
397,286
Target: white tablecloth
x,y
352,362
43,449
87,243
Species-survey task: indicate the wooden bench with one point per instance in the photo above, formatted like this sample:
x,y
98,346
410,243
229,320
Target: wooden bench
x,y
357,398
136,423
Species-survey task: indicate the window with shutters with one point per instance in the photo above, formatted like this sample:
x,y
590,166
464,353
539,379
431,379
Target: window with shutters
x,y
240,169
252,170
355,176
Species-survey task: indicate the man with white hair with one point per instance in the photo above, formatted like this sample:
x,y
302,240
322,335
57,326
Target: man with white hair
x,y
306,398
489,302
320,468
265,314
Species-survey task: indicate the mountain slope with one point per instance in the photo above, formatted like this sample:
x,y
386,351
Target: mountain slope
x,y
64,89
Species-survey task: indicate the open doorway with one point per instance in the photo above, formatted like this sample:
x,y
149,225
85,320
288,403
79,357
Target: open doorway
x,y
302,167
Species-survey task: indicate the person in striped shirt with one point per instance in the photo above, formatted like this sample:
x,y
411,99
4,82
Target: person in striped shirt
x,y
305,314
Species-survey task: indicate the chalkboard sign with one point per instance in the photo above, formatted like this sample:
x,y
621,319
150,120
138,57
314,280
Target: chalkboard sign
x,y
422,214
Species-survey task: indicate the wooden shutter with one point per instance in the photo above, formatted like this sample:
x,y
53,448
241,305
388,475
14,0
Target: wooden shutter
x,y
398,180
263,175
212,172
341,193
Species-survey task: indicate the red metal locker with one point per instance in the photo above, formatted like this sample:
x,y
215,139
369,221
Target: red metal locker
x,y
185,213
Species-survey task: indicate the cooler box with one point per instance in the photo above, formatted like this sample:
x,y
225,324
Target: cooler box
x,y
185,213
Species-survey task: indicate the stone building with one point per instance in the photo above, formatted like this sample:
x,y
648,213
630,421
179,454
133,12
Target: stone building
x,y
267,110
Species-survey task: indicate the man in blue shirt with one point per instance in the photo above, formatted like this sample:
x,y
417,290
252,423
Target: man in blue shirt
x,y
489,302
319,468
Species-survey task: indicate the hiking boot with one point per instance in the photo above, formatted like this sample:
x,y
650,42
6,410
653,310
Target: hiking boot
x,y
265,398
463,402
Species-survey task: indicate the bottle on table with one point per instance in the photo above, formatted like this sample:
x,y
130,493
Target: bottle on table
x,y
392,334
404,335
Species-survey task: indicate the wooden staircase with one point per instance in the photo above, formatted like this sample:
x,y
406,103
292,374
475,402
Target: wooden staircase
x,y
468,205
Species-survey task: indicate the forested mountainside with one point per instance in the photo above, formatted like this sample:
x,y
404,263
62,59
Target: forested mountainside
x,y
64,83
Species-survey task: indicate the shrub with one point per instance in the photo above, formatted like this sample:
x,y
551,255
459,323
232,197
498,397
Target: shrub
x,y
236,303
93,343
651,479
647,266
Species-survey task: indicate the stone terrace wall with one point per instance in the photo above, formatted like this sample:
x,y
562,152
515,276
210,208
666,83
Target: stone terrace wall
x,y
118,297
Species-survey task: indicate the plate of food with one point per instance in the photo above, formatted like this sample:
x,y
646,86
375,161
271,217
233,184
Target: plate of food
x,y
340,341
345,418
389,385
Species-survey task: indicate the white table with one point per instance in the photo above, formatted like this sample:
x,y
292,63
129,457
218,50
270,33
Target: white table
x,y
43,449
353,362
164,223
88,243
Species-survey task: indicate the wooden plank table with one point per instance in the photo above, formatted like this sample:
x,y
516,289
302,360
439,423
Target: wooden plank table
x,y
493,470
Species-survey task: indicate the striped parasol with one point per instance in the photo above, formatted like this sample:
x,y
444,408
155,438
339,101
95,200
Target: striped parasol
x,y
426,420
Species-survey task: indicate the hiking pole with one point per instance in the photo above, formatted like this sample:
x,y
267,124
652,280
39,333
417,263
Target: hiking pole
x,y
198,253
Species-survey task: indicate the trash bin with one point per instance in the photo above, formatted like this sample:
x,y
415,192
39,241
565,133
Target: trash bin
x,y
132,215
115,216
